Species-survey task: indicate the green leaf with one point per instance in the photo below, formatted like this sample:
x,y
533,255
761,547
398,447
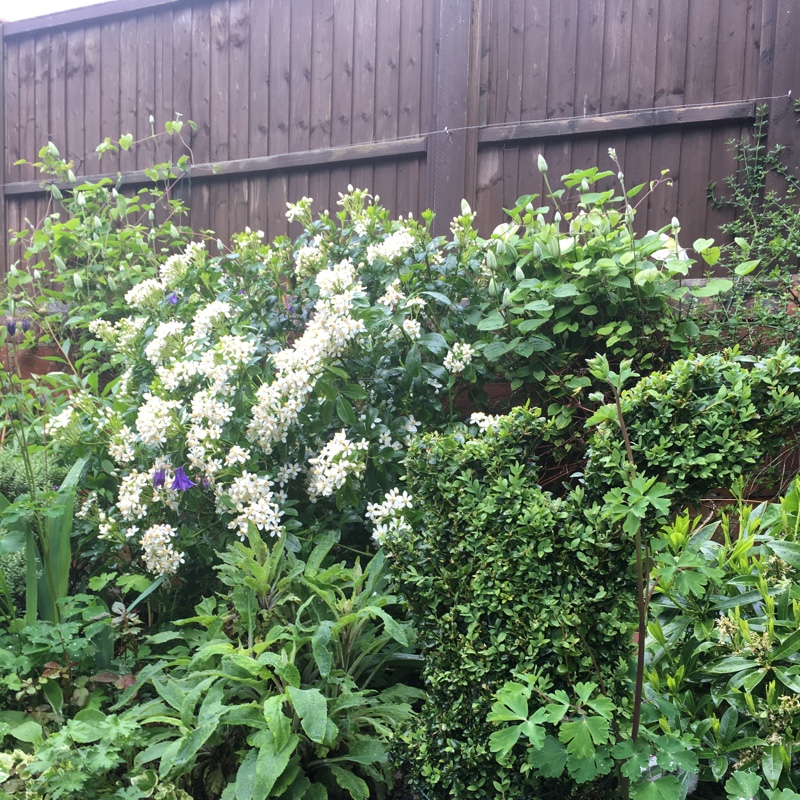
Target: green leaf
x,y
772,764
565,290
667,787
393,628
493,322
52,691
355,786
413,362
743,785
319,647
582,735
497,349
29,731
515,697
501,741
746,267
345,411
312,708
787,551
791,644
433,342
714,287
551,760
126,141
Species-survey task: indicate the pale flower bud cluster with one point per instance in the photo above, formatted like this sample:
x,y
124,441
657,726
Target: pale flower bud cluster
x,y
159,554
336,462
387,517
459,358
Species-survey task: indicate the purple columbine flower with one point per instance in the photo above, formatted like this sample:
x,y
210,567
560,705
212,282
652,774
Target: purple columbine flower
x,y
172,299
206,484
26,325
158,478
11,325
181,482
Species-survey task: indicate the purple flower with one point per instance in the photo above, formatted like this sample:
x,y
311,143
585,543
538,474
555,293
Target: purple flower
x,y
172,299
11,326
26,325
158,478
181,482
206,483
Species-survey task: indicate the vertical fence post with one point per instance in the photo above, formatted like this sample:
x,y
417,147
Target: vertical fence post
x,y
783,123
3,156
452,148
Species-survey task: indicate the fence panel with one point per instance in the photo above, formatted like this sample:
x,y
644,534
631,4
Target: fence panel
x,y
420,101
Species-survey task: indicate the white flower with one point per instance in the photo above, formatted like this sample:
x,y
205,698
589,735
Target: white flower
x,y
412,328
393,296
147,294
205,318
336,462
394,246
459,357
387,517
154,419
237,455
167,334
159,555
483,421
121,446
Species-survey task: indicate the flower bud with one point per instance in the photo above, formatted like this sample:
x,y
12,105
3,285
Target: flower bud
x,y
541,164
519,273
492,288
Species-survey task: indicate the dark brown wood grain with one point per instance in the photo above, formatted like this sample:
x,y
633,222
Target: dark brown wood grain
x,y
444,99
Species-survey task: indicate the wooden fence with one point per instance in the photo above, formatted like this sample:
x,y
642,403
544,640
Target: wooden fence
x,y
421,101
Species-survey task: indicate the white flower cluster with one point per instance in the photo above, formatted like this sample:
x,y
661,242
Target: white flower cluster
x,y
387,517
120,448
147,294
326,337
670,249
61,422
237,455
299,211
167,336
121,336
483,421
130,503
154,418
393,296
160,556
174,269
308,259
205,318
412,328
394,246
339,459
459,357
255,502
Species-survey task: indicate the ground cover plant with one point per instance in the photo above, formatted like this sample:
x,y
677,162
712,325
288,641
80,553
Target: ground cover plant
x,y
219,574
